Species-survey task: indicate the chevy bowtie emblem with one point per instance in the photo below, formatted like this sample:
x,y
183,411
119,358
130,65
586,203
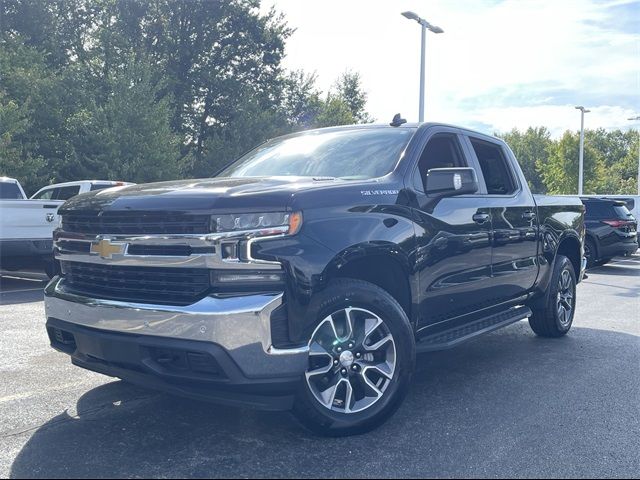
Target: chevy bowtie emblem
x,y
106,249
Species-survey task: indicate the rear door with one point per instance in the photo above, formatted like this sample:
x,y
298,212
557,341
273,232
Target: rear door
x,y
514,223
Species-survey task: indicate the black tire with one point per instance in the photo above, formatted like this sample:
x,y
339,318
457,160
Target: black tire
x,y
590,253
547,319
349,293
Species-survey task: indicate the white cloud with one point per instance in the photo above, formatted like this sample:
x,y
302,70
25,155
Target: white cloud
x,y
504,64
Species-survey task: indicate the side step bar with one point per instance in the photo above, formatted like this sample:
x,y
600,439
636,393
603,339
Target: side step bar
x,y
457,335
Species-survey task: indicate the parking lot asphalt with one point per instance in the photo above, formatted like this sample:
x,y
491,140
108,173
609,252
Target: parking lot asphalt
x,y
506,405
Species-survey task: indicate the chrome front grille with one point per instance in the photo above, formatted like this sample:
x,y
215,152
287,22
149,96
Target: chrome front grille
x,y
165,286
135,223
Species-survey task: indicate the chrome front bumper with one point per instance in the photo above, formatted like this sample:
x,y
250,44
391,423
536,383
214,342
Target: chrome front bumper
x,y
241,325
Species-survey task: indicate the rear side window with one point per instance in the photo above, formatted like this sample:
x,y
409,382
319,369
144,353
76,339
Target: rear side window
x,y
65,193
100,186
599,209
10,191
44,195
622,212
495,168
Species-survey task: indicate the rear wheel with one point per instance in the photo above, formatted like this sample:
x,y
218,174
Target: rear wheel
x,y
555,317
361,357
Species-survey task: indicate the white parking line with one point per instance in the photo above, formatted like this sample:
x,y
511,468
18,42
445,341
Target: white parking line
x,y
5,292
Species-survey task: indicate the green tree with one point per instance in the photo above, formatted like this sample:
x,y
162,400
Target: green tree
x,y
348,88
531,148
560,172
16,159
129,136
93,83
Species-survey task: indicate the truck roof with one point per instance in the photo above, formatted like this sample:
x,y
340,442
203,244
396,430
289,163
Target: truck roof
x,y
411,125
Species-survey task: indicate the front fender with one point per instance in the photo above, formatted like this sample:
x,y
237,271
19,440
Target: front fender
x,y
329,240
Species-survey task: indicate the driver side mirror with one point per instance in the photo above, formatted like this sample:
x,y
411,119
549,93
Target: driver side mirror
x,y
450,182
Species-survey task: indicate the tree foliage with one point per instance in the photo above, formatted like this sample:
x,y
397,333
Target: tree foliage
x,y
551,166
531,148
145,90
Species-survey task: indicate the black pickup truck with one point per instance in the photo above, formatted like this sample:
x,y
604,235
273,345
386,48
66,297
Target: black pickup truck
x,y
309,273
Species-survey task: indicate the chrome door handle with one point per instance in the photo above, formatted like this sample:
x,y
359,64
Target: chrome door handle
x,y
481,218
529,215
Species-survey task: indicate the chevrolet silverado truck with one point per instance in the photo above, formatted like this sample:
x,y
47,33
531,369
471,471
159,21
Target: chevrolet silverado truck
x,y
309,273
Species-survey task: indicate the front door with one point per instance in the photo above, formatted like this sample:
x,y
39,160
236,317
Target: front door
x,y
453,258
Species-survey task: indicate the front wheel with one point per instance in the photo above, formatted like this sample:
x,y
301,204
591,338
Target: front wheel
x,y
555,317
361,357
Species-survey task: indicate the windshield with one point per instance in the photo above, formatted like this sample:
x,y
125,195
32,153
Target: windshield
x,y
348,154
10,191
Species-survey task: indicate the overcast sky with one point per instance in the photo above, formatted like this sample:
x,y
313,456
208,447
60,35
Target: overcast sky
x,y
499,64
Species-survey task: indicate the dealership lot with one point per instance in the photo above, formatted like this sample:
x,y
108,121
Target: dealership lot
x,y
507,404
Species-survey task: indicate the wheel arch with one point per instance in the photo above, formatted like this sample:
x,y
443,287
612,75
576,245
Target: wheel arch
x,y
570,247
387,270
596,243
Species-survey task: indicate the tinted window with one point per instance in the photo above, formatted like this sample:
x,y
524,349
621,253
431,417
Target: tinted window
x,y
442,151
100,186
348,154
598,209
495,168
10,191
65,193
622,212
44,194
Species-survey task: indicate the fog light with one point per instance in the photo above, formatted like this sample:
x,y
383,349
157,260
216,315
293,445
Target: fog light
x,y
248,278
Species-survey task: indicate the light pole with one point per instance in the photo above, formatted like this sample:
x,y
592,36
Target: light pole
x,y
637,119
425,26
581,164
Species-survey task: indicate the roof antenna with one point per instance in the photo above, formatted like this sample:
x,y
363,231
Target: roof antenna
x,y
397,120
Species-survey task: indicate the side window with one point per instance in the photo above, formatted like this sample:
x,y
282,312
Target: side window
x,y
495,168
65,193
442,151
596,209
44,195
100,186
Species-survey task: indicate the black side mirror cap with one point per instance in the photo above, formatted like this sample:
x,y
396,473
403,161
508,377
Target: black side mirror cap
x,y
451,182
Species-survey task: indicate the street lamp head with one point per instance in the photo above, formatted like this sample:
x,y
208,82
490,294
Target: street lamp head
x,y
422,21
634,119
411,16
584,110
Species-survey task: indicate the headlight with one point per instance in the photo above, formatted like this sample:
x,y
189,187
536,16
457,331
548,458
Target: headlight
x,y
271,223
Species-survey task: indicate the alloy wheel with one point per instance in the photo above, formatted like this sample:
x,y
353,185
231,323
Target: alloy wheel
x,y
565,298
352,360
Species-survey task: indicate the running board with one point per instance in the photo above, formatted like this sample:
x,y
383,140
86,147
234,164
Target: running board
x,y
455,336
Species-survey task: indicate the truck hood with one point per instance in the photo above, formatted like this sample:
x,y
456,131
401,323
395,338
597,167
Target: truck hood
x,y
238,194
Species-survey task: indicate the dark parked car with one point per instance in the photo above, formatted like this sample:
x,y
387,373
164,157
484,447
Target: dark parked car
x,y
611,230
308,274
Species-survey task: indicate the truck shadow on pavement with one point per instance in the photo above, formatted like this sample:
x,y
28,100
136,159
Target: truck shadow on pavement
x,y
509,404
15,290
